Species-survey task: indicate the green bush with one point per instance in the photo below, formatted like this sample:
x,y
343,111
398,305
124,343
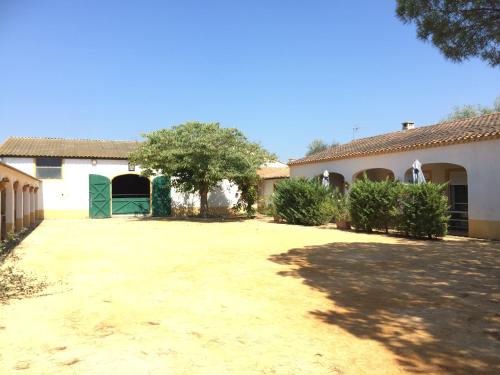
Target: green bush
x,y
372,204
305,202
422,210
341,206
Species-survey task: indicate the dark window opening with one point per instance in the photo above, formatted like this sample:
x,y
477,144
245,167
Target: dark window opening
x,y
459,205
130,186
48,168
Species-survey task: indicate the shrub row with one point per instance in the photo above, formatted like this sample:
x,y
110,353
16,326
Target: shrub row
x,y
414,210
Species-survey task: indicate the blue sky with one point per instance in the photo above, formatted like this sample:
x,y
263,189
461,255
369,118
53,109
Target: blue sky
x,y
284,72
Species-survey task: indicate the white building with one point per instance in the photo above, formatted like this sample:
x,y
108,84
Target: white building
x,y
463,153
91,178
269,175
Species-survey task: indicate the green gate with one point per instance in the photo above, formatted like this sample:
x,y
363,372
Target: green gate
x,y
162,201
99,196
130,205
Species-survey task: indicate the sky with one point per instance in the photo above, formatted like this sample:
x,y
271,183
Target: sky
x,y
283,72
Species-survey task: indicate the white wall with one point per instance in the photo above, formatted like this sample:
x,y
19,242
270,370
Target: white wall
x,y
72,191
25,165
480,159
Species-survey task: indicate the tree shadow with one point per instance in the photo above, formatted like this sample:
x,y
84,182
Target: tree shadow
x,y
435,305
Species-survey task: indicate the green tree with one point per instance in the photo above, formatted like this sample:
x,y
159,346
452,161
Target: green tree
x,y
469,110
459,29
198,156
318,145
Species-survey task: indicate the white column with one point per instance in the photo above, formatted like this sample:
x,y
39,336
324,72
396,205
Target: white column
x,y
35,194
32,206
9,208
19,208
26,206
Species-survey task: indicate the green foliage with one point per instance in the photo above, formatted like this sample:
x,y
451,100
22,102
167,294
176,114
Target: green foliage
x,y
422,210
459,29
198,156
318,145
247,185
372,204
468,111
341,206
305,202
11,240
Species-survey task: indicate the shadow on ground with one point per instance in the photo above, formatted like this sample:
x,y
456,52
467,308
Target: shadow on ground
x,y
434,304
195,219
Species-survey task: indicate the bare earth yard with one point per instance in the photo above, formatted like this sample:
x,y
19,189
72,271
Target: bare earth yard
x,y
130,296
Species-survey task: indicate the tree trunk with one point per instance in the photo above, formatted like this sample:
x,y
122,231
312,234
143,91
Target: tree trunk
x,y
203,201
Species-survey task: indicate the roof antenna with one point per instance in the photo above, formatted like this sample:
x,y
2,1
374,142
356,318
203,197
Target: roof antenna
x,y
354,131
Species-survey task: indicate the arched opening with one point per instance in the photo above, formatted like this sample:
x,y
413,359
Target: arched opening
x,y
337,181
375,174
130,194
457,191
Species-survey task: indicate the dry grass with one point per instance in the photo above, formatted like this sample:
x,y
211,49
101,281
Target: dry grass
x,y
132,296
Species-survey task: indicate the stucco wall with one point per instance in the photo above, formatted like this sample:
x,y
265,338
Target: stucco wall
x,y
480,159
69,196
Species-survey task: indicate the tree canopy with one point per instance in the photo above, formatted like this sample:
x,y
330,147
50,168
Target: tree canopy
x,y
459,29
469,110
199,156
318,145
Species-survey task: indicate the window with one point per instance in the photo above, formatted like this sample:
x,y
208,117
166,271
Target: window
x,y
48,168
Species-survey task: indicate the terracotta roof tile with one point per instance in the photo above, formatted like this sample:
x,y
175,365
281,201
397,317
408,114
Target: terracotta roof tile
x,y
445,133
266,173
68,148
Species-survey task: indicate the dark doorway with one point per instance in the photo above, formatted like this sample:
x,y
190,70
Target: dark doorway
x,y
130,194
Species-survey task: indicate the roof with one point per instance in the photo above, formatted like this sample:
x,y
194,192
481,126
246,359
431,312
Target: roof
x,y
67,148
267,173
446,133
3,165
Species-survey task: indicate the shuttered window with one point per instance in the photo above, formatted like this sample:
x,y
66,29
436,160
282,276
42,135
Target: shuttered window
x,y
49,168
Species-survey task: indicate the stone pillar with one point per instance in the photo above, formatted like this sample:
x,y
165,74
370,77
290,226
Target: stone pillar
x,y
26,206
35,194
32,206
9,208
18,207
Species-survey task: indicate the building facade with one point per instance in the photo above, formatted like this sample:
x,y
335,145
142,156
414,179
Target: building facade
x,y
465,154
21,200
89,178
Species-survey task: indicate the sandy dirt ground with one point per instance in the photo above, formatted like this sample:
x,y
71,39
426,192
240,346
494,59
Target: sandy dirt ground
x,y
131,296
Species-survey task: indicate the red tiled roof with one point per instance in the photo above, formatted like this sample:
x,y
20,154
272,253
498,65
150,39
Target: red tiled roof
x,y
267,173
449,132
68,148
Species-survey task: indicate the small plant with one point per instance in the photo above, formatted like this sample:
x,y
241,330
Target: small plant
x,y
305,202
342,215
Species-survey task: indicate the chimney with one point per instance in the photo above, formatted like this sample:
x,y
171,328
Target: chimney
x,y
408,125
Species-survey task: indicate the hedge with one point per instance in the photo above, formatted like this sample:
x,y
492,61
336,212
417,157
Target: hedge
x,y
414,210
305,202
422,210
372,204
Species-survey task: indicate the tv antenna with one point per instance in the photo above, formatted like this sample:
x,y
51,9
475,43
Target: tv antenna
x,y
354,131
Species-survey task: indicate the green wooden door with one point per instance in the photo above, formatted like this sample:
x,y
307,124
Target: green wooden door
x,y
130,205
162,201
99,196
